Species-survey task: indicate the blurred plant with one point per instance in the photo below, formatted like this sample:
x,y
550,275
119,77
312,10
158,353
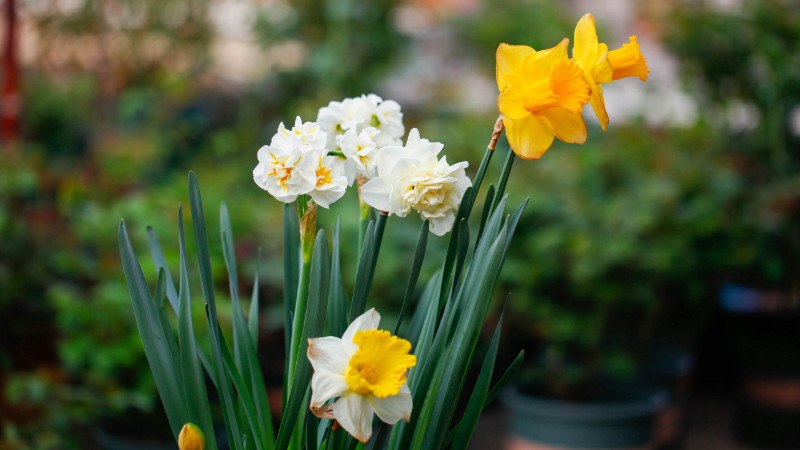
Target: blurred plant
x,y
622,234
743,66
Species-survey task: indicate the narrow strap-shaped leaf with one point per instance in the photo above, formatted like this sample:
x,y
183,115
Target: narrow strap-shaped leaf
x,y
166,374
245,354
291,268
161,309
487,208
452,246
476,185
479,392
313,326
501,184
462,249
252,316
157,253
504,379
337,311
361,287
194,386
207,284
416,266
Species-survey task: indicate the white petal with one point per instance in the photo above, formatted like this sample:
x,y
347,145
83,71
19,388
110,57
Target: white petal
x,y
393,408
367,321
376,194
354,414
327,354
326,385
442,225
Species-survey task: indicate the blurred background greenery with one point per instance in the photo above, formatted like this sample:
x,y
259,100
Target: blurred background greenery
x,y
626,242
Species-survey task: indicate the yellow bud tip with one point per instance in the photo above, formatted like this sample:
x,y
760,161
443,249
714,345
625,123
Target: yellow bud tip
x,y
191,438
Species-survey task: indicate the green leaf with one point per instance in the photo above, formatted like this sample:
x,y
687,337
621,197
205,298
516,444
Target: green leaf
x,y
504,379
252,316
194,386
478,398
337,311
361,287
487,208
207,283
416,266
245,355
163,364
313,326
291,268
160,262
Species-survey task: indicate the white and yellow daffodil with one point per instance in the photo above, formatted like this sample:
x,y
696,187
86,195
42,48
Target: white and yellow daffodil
x,y
286,171
361,151
366,369
412,177
331,182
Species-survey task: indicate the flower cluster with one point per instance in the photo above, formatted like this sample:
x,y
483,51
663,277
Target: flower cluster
x,y
362,137
296,163
542,93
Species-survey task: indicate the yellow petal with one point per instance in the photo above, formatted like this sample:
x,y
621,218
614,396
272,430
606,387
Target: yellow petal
x,y
585,48
599,105
511,103
628,61
530,137
568,126
509,60
191,438
602,72
540,64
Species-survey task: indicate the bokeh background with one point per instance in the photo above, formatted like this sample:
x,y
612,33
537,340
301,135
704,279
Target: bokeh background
x,y
668,243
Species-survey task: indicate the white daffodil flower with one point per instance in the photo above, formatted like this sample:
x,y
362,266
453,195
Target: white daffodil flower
x,y
310,134
331,182
386,117
366,369
361,150
338,117
412,177
286,171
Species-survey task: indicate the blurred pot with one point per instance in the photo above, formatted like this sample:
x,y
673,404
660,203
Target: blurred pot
x,y
622,418
767,348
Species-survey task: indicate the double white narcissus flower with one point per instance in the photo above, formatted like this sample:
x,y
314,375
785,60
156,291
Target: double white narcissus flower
x,y
296,163
366,369
361,151
412,177
359,113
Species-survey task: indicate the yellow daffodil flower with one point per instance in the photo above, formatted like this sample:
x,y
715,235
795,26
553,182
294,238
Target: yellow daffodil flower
x,y
191,438
366,369
541,97
602,66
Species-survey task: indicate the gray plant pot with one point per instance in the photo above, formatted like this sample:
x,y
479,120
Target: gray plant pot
x,y
623,421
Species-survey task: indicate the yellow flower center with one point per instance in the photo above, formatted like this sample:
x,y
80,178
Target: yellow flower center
x,y
565,87
323,175
380,364
280,171
628,61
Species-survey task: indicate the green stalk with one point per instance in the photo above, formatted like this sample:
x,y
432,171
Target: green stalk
x,y
501,185
362,222
308,228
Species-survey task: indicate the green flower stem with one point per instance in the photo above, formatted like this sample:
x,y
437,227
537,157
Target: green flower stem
x,y
476,185
299,317
501,185
363,221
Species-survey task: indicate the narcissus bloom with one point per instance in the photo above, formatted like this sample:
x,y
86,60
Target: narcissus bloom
x,y
359,113
191,438
541,97
361,151
366,369
286,170
603,66
413,178
331,182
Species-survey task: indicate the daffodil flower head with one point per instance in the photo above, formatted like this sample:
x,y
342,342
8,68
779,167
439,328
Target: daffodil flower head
x,y
285,169
331,182
386,117
366,370
361,150
413,178
541,97
359,113
310,134
592,56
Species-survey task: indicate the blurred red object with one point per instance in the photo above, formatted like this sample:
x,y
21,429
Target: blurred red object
x,y
10,100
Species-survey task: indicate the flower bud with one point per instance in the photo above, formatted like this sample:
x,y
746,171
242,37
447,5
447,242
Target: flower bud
x,y
191,438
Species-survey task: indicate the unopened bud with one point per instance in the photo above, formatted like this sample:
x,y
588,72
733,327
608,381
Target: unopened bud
x,y
191,438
